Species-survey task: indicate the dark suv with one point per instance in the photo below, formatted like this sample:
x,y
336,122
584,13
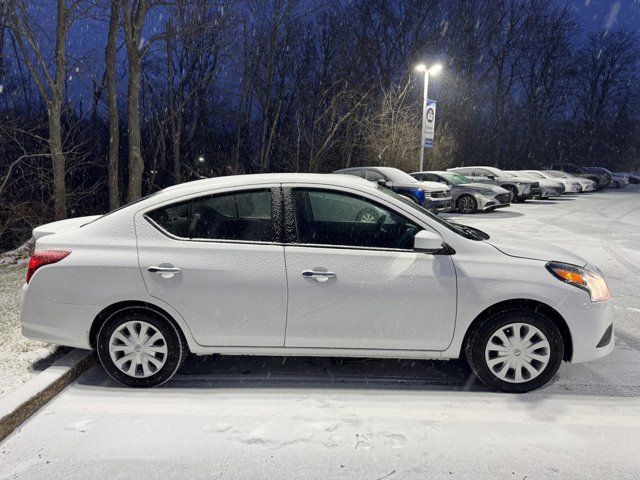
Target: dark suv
x,y
601,176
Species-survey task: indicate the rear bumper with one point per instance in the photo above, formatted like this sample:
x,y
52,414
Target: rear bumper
x,y
60,323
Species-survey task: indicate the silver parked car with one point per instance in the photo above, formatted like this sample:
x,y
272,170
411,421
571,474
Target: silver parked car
x,y
619,180
520,188
548,188
467,196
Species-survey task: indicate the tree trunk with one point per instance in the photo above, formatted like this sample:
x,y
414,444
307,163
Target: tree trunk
x,y
136,164
57,160
55,114
114,130
134,14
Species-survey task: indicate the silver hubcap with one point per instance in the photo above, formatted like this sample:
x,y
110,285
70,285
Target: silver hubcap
x,y
138,349
517,352
367,217
466,204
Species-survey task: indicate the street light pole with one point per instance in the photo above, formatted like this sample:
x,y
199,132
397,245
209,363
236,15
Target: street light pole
x,y
433,70
424,118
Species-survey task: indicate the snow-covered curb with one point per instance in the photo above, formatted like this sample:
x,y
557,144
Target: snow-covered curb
x,y
20,404
21,253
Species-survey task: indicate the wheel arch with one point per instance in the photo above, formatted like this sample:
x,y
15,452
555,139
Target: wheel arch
x,y
528,304
131,306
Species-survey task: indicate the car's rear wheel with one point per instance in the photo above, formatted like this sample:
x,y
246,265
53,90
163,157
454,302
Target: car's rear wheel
x,y
467,204
140,349
515,351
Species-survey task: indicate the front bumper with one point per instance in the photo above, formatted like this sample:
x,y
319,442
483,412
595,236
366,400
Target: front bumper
x,y
492,201
549,192
588,323
442,204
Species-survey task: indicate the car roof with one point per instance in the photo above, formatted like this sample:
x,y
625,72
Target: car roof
x,y
261,178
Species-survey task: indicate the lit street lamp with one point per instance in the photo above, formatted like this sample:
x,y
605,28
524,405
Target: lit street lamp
x,y
432,70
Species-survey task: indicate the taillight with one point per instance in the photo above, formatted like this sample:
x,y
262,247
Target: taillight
x,y
44,257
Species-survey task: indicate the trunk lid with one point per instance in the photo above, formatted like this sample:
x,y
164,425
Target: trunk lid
x,y
62,226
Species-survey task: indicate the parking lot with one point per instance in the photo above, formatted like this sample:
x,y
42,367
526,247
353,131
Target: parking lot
x,y
242,417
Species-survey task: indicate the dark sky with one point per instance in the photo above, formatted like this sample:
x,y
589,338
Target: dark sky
x,y
87,39
608,14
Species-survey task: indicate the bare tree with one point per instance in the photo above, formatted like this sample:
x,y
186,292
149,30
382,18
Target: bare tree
x,y
112,104
49,81
605,69
507,22
545,72
134,15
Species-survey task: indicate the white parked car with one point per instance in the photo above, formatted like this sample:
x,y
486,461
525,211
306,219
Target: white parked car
x,y
283,264
587,184
570,185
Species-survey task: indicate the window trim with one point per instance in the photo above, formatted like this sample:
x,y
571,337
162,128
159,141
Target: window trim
x,y
289,213
276,212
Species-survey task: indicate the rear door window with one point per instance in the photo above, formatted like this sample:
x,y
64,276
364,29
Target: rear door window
x,y
242,216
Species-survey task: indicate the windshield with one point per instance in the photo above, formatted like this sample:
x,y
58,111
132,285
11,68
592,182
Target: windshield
x,y
557,174
455,178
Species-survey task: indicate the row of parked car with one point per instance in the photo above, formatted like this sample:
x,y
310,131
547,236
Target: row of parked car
x,y
475,189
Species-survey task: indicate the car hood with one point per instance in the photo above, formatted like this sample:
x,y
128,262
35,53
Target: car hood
x,y
62,226
524,247
516,179
482,188
547,182
429,186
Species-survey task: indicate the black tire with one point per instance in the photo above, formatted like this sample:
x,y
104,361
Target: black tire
x,y
515,198
175,343
482,333
466,204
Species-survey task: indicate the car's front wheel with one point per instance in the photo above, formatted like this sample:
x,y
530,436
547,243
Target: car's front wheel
x,y
140,349
514,197
467,204
516,350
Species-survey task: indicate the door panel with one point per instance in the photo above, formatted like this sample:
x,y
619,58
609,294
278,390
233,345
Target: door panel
x,y
354,281
378,299
230,293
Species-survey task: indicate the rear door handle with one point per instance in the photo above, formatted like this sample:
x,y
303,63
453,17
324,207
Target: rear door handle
x,y
318,276
164,272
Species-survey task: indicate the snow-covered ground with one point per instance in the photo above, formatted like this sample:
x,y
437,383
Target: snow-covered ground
x,y
20,359
320,418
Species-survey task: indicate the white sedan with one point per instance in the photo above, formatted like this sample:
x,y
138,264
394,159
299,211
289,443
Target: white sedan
x,y
284,264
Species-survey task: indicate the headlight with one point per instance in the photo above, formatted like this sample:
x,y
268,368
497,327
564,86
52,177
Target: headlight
x,y
587,278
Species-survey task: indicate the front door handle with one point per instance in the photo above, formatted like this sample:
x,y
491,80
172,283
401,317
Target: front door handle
x,y
164,272
318,276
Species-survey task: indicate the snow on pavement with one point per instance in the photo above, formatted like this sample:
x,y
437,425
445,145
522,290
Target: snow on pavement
x,y
20,358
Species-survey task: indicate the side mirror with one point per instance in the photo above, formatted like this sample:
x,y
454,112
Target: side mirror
x,y
383,183
491,177
427,242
